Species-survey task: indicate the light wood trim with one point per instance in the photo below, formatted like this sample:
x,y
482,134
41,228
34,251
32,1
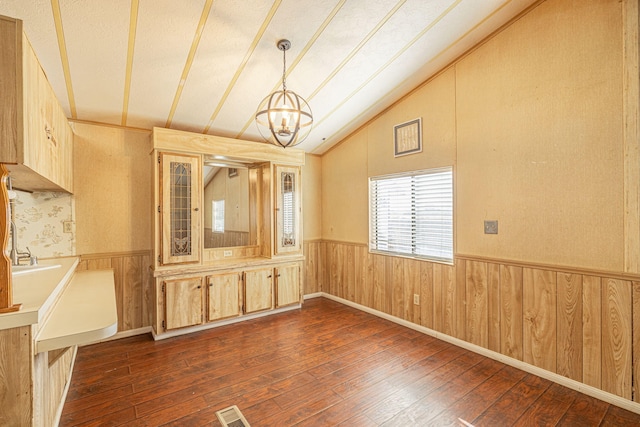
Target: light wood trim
x,y
631,134
557,268
6,281
64,57
87,257
188,142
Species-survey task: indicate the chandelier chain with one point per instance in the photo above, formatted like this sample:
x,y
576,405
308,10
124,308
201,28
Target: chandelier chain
x,y
284,70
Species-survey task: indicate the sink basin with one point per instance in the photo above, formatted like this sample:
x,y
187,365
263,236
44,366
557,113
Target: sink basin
x,y
18,270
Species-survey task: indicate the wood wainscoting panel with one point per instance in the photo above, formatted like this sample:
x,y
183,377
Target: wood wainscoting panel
x,y
477,303
636,340
583,324
592,331
438,298
397,286
511,314
616,337
569,325
539,306
412,286
425,282
133,285
493,308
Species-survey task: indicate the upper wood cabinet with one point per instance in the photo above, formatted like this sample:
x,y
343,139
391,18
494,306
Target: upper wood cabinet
x,y
37,141
288,210
179,208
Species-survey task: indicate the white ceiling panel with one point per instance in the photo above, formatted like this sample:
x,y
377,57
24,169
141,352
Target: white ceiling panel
x,y
164,35
96,35
350,59
264,70
226,39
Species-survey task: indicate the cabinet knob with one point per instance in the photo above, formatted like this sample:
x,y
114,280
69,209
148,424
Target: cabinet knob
x,y
269,277
199,286
196,209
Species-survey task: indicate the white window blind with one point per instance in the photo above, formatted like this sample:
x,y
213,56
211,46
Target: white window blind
x,y
412,214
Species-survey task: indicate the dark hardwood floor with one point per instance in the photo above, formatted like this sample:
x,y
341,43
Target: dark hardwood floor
x,y
326,364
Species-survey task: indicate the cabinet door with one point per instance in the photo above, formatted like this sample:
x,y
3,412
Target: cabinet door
x,y
182,302
258,286
179,207
288,210
224,296
287,285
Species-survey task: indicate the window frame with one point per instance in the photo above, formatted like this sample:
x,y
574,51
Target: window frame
x,y
372,243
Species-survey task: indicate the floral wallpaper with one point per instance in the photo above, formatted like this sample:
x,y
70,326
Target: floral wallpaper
x,y
40,218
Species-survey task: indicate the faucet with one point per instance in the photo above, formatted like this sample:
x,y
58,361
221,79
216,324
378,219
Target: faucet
x,y
15,254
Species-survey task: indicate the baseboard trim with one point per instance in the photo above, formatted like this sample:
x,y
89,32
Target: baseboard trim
x,y
123,334
217,324
314,295
551,376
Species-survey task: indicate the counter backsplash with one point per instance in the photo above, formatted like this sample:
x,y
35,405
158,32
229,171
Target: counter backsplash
x,y
39,221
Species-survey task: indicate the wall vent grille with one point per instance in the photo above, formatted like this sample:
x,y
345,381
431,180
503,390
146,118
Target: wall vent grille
x,y
232,417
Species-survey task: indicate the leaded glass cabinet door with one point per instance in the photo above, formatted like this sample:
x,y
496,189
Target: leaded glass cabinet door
x,y
288,210
180,208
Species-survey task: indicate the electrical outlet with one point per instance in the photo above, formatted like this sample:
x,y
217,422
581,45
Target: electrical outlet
x,y
67,226
416,299
491,227
228,253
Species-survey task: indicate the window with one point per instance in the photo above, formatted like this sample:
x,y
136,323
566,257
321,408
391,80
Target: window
x,y
412,214
218,216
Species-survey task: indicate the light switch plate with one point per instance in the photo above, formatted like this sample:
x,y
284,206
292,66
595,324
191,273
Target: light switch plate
x,y
491,227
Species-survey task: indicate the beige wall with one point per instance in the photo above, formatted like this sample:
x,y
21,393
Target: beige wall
x,y
311,197
531,121
344,190
112,189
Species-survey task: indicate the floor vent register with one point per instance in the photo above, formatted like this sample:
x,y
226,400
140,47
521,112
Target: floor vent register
x,y
232,417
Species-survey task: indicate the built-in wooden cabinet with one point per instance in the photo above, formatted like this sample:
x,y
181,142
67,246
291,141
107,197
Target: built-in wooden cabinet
x,y
37,141
227,230
179,208
183,302
223,296
258,290
287,285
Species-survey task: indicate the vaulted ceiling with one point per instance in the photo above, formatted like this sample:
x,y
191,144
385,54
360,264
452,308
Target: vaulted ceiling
x,y
205,65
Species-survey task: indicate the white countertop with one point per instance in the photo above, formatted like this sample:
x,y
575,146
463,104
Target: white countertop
x,y
37,291
86,312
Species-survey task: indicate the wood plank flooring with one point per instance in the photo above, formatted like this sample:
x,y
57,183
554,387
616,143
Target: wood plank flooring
x,y
326,364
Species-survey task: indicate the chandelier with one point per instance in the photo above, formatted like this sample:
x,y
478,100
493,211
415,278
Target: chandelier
x,y
284,118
